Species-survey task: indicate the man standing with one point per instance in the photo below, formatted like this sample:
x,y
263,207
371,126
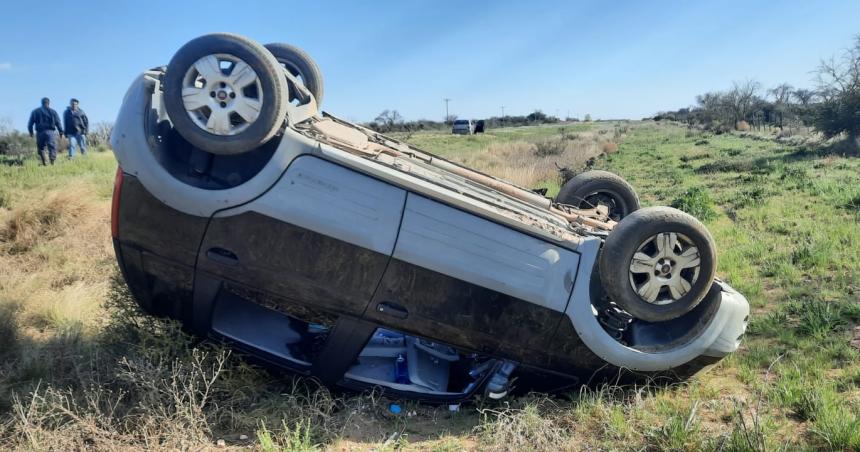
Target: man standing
x,y
77,125
47,123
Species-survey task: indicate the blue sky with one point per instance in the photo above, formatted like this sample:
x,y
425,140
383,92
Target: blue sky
x,y
610,59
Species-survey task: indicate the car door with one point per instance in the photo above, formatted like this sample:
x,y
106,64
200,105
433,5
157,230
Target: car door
x,y
319,239
473,283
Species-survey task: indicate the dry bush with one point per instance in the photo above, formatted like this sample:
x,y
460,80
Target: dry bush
x,y
742,126
150,404
609,147
550,147
524,164
528,423
141,383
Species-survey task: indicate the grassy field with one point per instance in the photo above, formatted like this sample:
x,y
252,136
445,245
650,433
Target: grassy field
x,y
80,367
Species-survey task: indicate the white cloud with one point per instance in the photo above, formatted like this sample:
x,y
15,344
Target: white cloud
x,y
5,66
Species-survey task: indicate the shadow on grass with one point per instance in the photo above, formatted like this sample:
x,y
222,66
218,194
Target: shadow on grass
x,y
765,165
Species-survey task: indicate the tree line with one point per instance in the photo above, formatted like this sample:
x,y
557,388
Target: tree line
x,y
393,121
832,106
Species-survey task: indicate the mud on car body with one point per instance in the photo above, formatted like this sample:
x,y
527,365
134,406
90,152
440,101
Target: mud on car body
x,y
337,252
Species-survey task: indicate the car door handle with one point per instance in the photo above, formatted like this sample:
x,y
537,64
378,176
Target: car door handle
x,y
222,256
392,309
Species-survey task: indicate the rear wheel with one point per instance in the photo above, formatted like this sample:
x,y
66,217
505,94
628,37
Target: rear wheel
x,y
301,65
658,263
593,188
225,94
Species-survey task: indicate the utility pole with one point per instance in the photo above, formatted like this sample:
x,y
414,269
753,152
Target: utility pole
x,y
503,111
446,109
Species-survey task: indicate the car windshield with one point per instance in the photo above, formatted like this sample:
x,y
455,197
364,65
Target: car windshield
x,y
461,122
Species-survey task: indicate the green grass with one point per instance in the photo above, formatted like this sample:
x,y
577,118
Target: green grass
x,y
787,237
81,367
96,169
445,143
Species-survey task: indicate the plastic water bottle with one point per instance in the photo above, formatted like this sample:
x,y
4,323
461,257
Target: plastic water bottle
x,y
401,370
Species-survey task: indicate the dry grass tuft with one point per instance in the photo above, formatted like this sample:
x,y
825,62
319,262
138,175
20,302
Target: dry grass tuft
x,y
529,423
42,221
53,254
528,163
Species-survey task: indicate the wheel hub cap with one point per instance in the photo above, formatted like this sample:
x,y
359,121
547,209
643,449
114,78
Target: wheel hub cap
x,y
664,268
222,94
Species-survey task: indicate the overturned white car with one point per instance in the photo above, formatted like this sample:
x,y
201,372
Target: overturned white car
x,y
326,248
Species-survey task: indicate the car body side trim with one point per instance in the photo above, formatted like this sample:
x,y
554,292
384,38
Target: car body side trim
x,y
462,245
334,201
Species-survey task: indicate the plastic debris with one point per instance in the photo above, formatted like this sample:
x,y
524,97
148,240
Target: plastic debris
x,y
394,408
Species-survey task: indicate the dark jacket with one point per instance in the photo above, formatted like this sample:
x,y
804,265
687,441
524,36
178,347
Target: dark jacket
x,y
75,121
45,119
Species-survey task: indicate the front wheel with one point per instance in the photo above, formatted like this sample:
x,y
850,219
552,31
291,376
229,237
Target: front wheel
x,y
658,263
225,94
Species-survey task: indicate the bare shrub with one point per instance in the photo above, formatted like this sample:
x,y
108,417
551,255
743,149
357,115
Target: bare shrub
x,y
609,147
150,404
529,423
99,135
742,126
148,385
567,135
550,147
14,145
528,163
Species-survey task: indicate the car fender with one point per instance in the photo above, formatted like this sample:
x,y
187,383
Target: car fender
x,y
132,146
720,337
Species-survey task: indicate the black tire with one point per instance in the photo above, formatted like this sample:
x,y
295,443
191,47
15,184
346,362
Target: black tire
x,y
590,188
273,85
299,64
625,240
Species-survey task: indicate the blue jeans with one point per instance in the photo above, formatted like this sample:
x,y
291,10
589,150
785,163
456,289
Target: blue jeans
x,y
77,140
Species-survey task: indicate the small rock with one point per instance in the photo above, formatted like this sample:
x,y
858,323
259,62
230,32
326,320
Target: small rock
x,y
221,443
243,437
